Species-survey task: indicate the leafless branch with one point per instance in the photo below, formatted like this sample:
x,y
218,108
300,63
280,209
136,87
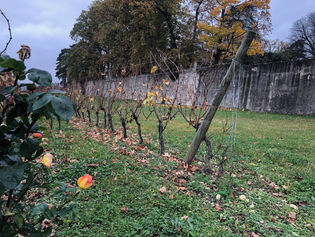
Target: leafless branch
x,y
10,33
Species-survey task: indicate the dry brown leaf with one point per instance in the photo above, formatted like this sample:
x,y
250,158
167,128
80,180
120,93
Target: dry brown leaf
x,y
181,188
192,168
285,187
277,194
124,209
217,207
274,185
243,198
301,203
292,215
162,190
184,217
171,197
254,235
294,206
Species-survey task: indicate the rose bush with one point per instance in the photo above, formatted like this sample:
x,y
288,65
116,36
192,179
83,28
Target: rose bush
x,y
22,176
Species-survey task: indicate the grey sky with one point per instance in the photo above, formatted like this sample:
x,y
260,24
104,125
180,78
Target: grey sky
x,y
45,25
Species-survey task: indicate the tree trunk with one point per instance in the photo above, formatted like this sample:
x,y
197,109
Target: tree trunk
x,y
78,112
109,115
83,116
105,119
97,118
139,127
209,156
123,124
224,85
110,122
161,140
89,116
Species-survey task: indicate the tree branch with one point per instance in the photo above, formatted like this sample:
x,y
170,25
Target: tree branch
x,y
10,33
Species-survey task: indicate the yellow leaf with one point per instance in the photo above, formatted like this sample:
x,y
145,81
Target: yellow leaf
x,y
165,82
153,69
47,160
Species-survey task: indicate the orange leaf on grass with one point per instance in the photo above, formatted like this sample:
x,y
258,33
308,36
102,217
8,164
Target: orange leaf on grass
x,y
85,181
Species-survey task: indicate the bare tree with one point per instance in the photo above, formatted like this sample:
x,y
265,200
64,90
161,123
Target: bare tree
x,y
303,31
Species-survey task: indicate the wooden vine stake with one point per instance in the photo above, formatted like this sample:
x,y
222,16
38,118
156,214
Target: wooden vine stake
x,y
213,107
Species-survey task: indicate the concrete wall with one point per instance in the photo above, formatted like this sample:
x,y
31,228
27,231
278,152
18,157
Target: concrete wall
x,y
285,87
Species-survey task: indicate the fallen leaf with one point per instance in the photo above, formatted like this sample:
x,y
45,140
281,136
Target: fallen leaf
x,y
243,198
294,206
171,197
180,181
277,194
292,215
192,168
301,203
217,207
218,197
124,209
274,185
93,165
254,235
285,187
274,220
184,217
181,188
162,190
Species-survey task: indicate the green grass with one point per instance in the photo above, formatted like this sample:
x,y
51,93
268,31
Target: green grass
x,y
268,148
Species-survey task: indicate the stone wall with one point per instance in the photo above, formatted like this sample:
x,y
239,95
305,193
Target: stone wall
x,y
284,87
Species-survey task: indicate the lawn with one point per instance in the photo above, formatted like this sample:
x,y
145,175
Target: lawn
x,y
267,188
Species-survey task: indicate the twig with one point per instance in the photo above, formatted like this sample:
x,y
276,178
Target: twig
x,y
10,33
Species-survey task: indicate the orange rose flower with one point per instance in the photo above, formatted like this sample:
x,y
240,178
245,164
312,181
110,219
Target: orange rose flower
x,y
85,181
47,160
37,135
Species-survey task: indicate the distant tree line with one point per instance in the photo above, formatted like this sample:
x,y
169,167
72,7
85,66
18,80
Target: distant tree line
x,y
118,38
301,44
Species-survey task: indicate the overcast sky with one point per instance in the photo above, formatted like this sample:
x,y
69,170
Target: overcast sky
x,y
44,25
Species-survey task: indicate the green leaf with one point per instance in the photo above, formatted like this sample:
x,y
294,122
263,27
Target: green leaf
x,y
56,92
40,77
14,158
43,101
39,209
2,97
19,109
18,219
28,147
13,64
4,57
63,107
8,90
11,176
34,95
